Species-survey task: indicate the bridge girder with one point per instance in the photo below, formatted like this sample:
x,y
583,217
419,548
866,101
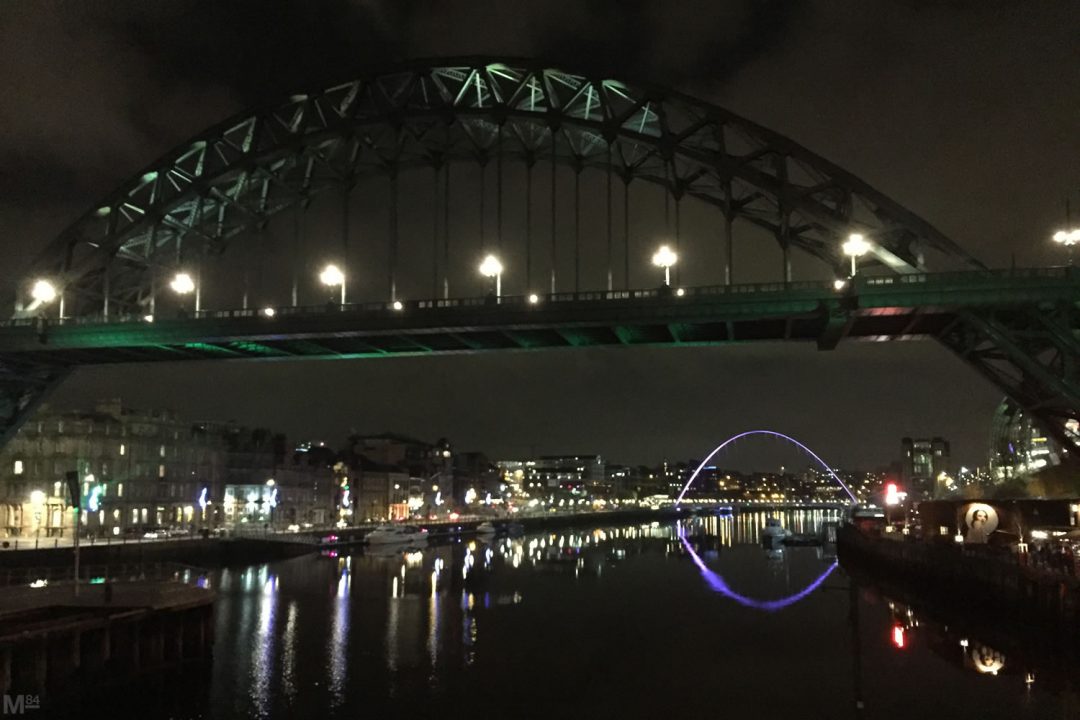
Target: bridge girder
x,y
236,175
1032,354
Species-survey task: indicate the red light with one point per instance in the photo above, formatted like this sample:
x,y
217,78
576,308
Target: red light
x,y
892,495
898,636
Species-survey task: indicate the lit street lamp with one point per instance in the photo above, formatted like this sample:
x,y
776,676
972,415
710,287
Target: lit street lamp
x,y
1068,238
665,257
43,292
331,276
183,284
853,247
492,268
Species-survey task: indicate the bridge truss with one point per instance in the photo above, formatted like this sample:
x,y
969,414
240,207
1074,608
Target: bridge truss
x,y
228,183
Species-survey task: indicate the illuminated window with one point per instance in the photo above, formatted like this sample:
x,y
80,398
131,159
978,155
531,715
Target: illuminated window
x,y
120,490
18,467
123,449
161,471
134,515
161,451
56,489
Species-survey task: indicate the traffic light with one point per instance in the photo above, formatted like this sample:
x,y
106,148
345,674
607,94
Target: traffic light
x,y
72,480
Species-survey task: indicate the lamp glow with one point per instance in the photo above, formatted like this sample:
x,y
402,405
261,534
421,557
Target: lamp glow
x,y
665,257
37,497
534,299
397,305
1067,238
491,267
332,276
853,247
43,291
269,312
182,284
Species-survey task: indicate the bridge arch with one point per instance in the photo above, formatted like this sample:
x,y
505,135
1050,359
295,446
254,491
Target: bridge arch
x,y
771,433
232,178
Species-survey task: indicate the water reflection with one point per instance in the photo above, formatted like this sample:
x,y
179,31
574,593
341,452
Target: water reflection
x,y
467,624
718,584
339,633
262,672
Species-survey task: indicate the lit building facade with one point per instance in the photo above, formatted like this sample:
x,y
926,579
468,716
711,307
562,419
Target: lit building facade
x,y
137,470
923,461
1019,447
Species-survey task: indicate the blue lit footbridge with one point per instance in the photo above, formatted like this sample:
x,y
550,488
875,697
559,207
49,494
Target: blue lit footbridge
x,y
484,204
713,579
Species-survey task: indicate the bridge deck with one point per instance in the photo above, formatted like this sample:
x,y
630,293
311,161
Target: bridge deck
x,y
873,308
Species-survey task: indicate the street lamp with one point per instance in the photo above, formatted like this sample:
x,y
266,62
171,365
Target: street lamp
x,y
43,292
492,268
853,247
1068,238
331,276
665,257
182,284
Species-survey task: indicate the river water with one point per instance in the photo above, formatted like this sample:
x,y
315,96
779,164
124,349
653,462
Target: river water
x,y
693,617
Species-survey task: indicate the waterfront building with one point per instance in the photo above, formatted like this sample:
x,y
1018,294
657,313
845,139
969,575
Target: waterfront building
x,y
369,491
267,485
137,470
474,477
413,456
923,461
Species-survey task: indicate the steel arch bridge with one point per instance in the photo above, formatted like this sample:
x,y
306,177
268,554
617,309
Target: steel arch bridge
x,y
231,181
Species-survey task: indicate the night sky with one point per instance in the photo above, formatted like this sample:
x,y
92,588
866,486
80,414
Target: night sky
x,y
967,112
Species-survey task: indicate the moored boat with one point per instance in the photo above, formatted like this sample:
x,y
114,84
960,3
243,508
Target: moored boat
x,y
396,534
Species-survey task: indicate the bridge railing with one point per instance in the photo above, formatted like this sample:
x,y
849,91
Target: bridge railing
x,y
868,283
969,277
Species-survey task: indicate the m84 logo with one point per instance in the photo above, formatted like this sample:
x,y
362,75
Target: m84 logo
x,y
19,704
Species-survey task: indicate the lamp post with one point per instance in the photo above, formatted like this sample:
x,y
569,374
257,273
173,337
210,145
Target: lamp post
x,y
665,257
37,501
43,292
332,276
492,268
183,284
1068,238
853,247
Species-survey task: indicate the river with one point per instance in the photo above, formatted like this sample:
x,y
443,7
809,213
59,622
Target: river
x,y
693,617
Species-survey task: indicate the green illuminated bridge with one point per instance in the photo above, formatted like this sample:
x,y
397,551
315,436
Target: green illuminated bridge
x,y
527,201
1017,327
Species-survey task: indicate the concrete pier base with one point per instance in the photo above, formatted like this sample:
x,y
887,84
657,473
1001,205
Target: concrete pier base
x,y
43,646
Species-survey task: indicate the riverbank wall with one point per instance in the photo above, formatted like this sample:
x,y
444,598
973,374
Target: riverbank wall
x,y
985,581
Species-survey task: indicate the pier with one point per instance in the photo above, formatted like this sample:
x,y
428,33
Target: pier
x,y
51,632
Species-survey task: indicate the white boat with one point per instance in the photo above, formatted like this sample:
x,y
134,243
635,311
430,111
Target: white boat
x,y
773,530
486,528
399,534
